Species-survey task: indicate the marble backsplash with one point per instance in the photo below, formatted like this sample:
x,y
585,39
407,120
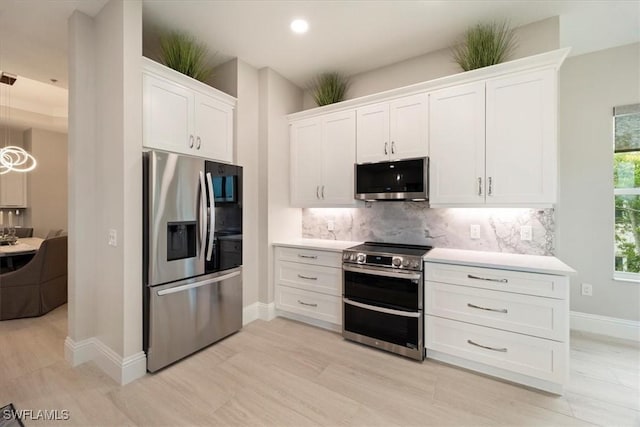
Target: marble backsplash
x,y
415,223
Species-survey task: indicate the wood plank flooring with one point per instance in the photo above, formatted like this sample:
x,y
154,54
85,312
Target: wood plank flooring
x,y
284,373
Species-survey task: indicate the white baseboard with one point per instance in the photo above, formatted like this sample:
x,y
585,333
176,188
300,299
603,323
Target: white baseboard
x,y
250,313
258,310
612,326
122,370
267,311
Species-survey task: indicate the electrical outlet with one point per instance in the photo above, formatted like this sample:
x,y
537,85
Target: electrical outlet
x,y
526,234
587,289
113,237
331,225
474,231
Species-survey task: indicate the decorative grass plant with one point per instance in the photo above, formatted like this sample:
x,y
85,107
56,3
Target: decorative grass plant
x,y
329,88
183,53
484,45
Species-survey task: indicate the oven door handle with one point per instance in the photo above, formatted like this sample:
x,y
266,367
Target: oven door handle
x,y
399,274
382,309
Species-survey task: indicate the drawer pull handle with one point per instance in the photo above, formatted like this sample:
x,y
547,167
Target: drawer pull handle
x,y
497,310
308,256
306,303
502,350
471,276
307,277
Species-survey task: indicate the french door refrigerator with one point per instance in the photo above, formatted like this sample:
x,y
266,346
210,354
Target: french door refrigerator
x,y
192,255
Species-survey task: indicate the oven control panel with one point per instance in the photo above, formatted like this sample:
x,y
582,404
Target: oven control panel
x,y
382,260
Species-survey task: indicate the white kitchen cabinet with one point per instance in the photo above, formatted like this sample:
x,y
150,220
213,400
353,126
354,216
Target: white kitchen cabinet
x,y
185,116
521,149
393,130
322,160
457,144
507,323
13,190
494,142
308,285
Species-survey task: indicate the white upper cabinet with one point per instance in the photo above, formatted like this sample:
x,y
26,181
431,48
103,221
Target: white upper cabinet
x,y
322,160
393,130
214,128
373,133
494,142
306,168
456,134
185,116
521,139
13,190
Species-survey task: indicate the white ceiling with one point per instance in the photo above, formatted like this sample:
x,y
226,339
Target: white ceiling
x,y
348,36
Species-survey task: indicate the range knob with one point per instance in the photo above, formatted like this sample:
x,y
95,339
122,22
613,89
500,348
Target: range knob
x,y
352,257
345,256
405,263
361,258
415,264
396,261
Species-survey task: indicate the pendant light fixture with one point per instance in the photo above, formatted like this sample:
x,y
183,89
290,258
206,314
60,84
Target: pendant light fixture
x,y
12,158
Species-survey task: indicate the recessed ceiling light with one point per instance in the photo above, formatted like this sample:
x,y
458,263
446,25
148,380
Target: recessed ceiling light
x,y
299,26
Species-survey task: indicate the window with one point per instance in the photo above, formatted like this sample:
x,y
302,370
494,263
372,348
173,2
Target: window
x,y
626,180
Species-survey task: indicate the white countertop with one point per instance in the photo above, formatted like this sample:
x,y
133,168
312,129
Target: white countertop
x,y
500,260
322,244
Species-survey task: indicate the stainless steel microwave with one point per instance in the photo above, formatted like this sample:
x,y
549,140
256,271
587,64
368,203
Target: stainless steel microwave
x,y
399,180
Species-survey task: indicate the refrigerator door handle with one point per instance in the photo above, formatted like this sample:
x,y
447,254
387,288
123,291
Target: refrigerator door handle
x,y
212,216
197,284
202,214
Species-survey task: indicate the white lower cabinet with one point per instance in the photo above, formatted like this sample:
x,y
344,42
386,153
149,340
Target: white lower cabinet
x,y
510,324
308,285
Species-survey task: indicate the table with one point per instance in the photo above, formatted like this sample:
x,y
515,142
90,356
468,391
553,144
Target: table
x,y
23,251
24,246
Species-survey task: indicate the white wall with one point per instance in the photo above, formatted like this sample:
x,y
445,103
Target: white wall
x,y
83,182
278,97
247,138
47,183
241,80
537,37
106,118
590,86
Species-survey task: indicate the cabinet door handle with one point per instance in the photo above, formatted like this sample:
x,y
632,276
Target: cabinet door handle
x,y
198,143
307,277
502,350
317,192
385,148
190,141
497,310
490,192
471,276
479,186
306,303
307,256
322,192
393,147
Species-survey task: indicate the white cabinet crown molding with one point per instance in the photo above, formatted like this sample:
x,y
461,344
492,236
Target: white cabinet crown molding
x,y
153,67
552,59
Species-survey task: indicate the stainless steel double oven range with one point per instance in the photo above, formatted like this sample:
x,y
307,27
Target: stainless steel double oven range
x,y
383,291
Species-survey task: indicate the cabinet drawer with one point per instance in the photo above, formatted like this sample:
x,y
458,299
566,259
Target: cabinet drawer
x,y
544,285
535,357
318,306
317,278
538,316
310,256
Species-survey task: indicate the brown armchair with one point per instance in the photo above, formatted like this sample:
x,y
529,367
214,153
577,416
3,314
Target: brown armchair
x,y
39,286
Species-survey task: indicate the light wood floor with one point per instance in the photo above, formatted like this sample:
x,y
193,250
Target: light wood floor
x,y
283,373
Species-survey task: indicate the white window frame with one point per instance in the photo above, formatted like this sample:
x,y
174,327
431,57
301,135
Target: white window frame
x,y
624,276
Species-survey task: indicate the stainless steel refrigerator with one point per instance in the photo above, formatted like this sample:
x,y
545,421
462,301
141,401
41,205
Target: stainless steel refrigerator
x,y
192,255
